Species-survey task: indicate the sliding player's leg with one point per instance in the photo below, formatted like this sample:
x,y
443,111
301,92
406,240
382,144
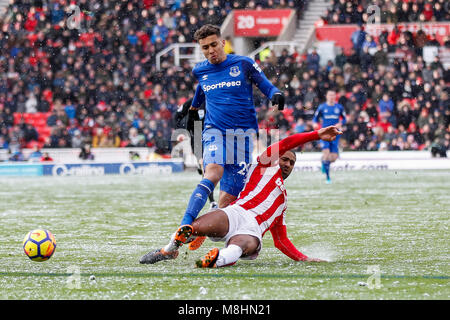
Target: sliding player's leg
x,y
241,245
213,223
224,200
213,161
239,231
213,174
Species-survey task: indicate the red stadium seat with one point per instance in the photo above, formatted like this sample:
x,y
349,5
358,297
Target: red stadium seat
x,y
44,130
17,116
39,122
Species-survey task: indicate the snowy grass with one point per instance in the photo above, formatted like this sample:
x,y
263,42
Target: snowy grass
x,y
394,220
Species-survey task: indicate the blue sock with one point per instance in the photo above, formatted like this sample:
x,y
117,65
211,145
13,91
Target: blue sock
x,y
326,165
197,201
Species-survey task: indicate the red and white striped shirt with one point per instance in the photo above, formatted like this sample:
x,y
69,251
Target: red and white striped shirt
x,y
264,195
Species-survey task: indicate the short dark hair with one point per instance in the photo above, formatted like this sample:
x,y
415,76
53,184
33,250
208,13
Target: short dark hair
x,y
293,152
206,31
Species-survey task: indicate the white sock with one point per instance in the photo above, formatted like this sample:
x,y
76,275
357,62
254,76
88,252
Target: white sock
x,y
229,255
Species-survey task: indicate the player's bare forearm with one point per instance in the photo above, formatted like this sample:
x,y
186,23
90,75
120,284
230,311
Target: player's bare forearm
x,y
272,153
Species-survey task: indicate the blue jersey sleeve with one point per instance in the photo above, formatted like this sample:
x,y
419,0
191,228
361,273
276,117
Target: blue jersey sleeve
x,y
317,115
199,97
257,76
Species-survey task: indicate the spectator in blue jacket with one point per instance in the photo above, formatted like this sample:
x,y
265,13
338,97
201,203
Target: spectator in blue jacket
x,y
358,37
386,104
312,60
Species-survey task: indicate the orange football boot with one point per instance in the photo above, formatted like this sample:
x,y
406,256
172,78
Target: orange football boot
x,y
196,243
182,234
209,261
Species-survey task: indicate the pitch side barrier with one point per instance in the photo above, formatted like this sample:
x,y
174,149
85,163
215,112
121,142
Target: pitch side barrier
x,y
91,168
377,160
67,164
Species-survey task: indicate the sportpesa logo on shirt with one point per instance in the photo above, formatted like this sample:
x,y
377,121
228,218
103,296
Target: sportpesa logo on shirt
x,y
221,85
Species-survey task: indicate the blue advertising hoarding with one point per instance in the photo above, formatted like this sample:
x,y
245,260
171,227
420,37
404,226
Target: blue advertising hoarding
x,y
10,169
91,169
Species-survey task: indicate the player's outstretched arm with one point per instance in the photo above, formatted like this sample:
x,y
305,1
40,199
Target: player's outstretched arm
x,y
257,76
285,245
271,155
329,133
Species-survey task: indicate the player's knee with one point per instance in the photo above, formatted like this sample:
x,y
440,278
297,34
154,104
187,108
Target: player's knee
x,y
248,244
250,250
333,157
211,224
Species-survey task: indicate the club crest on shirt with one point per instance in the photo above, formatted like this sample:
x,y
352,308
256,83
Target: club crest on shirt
x,y
234,71
213,147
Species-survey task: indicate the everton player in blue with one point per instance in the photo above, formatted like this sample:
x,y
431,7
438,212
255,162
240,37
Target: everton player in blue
x,y
331,113
226,86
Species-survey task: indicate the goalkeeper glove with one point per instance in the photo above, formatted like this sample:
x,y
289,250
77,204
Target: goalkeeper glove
x,y
278,100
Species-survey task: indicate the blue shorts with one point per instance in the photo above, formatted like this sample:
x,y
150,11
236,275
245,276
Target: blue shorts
x,y
233,152
332,145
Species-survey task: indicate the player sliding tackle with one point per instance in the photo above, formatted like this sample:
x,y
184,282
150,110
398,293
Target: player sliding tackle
x,y
226,87
260,207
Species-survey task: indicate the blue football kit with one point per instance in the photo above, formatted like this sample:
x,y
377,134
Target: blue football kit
x,y
330,116
230,123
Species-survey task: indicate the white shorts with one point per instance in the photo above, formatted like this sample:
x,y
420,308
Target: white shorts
x,y
241,222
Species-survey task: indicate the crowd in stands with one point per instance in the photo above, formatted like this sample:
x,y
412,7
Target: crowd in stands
x,y
403,105
96,81
390,11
